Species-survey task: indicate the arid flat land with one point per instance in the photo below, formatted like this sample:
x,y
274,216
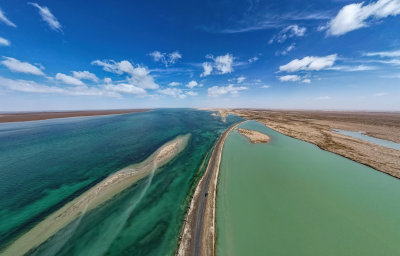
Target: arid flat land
x,y
317,127
33,116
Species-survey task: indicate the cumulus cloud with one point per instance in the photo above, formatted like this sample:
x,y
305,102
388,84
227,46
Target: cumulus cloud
x,y
5,20
174,84
4,42
355,16
86,75
265,86
208,68
166,58
177,93
288,32
48,17
69,79
309,63
222,64
193,84
289,78
306,81
125,88
21,67
231,89
139,76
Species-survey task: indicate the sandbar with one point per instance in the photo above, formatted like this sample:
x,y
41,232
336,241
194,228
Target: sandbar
x,y
95,196
254,136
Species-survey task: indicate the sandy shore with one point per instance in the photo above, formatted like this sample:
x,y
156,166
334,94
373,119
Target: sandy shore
x,y
33,116
254,136
94,197
198,233
318,127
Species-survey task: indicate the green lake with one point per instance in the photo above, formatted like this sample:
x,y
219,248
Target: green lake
x,y
289,197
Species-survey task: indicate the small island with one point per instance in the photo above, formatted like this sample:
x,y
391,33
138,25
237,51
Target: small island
x,y
254,136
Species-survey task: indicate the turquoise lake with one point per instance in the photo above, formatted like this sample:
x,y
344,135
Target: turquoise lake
x,y
45,164
289,197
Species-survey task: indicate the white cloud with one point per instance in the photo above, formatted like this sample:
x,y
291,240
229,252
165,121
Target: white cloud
x,y
85,75
174,92
309,63
5,20
21,67
174,84
191,93
265,86
166,58
193,84
208,68
254,59
125,88
353,68
139,75
289,78
288,32
4,42
223,64
286,50
384,54
33,87
241,79
69,79
355,16
306,81
48,17
216,91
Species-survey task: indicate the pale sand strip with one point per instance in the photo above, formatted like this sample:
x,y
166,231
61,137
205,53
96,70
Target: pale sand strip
x,y
254,136
95,196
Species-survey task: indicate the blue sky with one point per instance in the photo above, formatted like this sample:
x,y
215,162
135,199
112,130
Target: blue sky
x,y
62,55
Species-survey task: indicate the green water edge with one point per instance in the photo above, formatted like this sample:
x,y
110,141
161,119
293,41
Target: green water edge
x,y
57,160
289,197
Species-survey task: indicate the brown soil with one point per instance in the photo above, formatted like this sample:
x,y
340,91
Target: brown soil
x,y
254,136
32,116
316,127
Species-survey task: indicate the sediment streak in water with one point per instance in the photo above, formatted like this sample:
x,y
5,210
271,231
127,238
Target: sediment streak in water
x,y
95,196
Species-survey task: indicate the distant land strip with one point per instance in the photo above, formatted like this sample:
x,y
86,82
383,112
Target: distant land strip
x,y
34,116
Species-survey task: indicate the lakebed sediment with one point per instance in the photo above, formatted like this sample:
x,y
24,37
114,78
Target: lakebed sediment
x,y
96,196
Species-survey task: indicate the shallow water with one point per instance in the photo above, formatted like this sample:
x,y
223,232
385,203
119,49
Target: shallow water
x,y
289,197
363,136
45,164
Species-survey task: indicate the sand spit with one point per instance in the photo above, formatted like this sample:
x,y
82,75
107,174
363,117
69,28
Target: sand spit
x,y
223,113
34,116
317,127
95,196
198,233
254,136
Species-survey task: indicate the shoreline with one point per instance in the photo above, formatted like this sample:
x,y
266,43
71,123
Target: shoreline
x,y
198,238
318,130
42,115
94,197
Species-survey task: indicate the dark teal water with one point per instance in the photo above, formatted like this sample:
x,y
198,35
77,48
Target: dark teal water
x,y
45,164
